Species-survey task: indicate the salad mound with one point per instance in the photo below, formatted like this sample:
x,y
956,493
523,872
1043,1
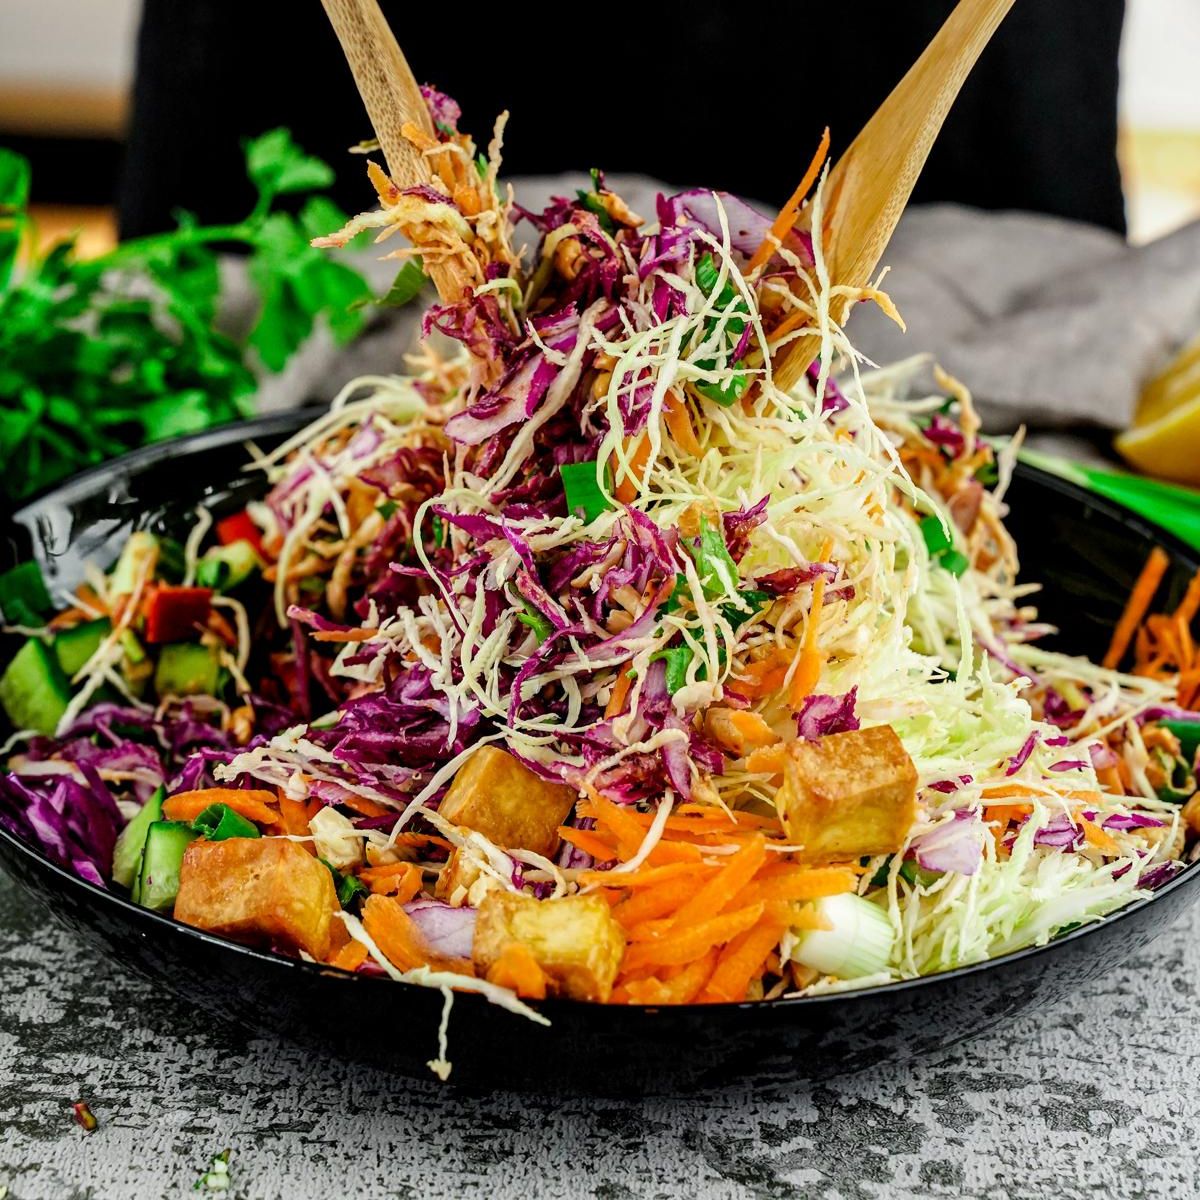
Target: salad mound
x,y
582,660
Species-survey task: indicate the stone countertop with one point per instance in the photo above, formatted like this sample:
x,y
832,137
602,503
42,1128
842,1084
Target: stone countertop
x,y
1100,1097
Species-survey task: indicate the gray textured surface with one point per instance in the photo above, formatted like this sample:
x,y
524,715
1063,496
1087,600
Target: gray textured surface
x,y
1100,1097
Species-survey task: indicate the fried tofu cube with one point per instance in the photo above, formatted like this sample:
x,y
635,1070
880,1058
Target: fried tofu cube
x,y
848,795
576,940
258,890
513,808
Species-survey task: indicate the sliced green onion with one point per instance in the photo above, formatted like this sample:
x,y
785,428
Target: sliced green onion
x,y
717,570
858,941
935,535
219,822
584,496
1188,733
346,886
387,509
912,872
954,561
538,623
724,394
678,659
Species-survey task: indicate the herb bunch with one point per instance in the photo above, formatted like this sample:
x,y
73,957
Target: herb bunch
x,y
102,355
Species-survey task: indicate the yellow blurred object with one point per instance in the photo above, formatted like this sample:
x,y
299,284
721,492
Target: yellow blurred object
x,y
94,227
1165,438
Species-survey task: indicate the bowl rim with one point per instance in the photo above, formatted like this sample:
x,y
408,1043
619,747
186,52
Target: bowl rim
x,y
295,419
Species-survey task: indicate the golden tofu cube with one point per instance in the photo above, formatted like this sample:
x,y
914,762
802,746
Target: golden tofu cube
x,y
498,796
576,940
848,795
258,890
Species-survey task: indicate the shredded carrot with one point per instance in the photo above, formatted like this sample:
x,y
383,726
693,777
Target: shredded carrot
x,y
1024,791
1004,813
293,815
741,962
679,425
788,214
257,805
620,692
715,895
808,669
343,635
652,903
1135,608
681,988
350,957
400,941
632,880
589,842
620,822
627,485
364,806
402,880
516,968
798,883
693,941
1094,835
1190,604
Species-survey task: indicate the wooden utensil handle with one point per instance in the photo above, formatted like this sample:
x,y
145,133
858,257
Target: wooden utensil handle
x,y
385,83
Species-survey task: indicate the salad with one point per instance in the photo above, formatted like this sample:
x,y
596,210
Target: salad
x,y
582,660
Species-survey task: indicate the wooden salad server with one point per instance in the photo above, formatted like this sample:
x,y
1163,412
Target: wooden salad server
x,y
869,186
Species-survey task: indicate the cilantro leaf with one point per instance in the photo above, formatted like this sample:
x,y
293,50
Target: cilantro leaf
x,y
277,166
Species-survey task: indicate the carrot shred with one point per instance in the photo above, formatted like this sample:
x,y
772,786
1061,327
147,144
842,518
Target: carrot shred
x,y
1094,835
679,425
620,692
400,941
716,895
516,968
626,490
790,212
633,880
681,988
808,669
257,805
350,957
692,941
655,902
1190,604
364,806
293,816
589,842
1135,608
796,884
743,959
343,635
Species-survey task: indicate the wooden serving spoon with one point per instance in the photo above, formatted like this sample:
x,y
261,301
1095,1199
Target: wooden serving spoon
x,y
870,185
392,99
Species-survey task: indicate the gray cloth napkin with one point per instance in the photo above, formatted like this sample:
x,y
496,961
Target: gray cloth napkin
x,y
1049,323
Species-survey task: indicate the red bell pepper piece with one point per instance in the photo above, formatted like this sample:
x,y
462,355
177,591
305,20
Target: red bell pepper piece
x,y
172,613
239,528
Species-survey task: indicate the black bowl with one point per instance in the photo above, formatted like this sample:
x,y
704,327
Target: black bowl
x,y
1085,550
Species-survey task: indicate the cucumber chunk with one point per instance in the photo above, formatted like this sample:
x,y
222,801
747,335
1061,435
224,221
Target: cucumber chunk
x,y
162,857
73,647
187,669
225,567
127,854
34,692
